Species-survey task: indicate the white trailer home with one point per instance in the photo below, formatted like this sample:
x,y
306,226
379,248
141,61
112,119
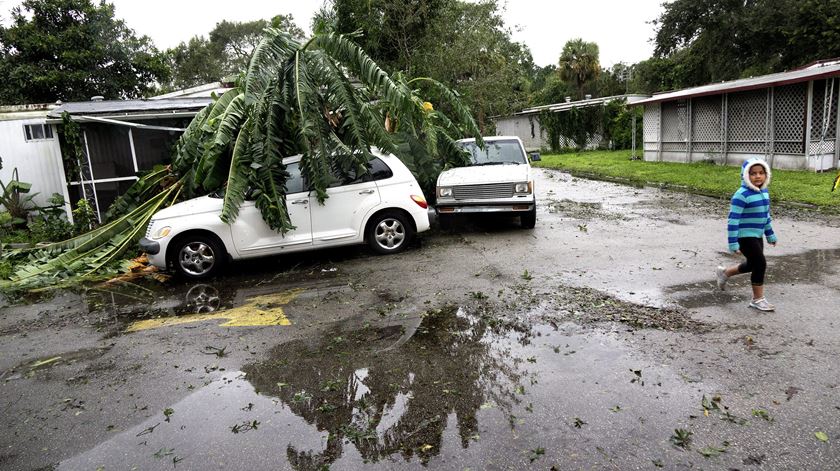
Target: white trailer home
x,y
30,145
787,118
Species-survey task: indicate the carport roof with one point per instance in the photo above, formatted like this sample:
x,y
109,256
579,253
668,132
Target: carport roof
x,y
815,71
137,108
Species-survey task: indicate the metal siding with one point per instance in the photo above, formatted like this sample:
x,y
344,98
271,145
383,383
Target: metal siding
x,y
38,162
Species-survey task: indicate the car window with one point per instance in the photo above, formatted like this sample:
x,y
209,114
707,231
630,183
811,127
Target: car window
x,y
495,152
348,175
379,170
294,184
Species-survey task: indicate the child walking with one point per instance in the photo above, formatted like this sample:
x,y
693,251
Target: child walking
x,y
749,222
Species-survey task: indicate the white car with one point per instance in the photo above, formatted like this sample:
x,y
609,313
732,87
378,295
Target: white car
x,y
498,180
384,206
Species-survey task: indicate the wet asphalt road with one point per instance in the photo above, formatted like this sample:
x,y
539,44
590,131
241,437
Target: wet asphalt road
x,y
583,344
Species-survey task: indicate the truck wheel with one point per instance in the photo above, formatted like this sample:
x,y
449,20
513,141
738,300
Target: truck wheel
x,y
529,220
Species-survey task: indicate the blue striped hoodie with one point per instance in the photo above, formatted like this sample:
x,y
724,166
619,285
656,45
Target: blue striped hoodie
x,y
749,213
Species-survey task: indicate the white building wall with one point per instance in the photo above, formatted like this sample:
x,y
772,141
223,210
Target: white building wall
x,y
38,162
525,127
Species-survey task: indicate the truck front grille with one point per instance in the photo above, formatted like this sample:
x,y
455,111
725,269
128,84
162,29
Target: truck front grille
x,y
483,192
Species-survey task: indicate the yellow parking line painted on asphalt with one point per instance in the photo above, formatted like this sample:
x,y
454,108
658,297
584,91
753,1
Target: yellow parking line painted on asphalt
x,y
259,310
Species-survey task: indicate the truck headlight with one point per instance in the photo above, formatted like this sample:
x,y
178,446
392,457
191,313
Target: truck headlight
x,y
444,192
524,187
161,233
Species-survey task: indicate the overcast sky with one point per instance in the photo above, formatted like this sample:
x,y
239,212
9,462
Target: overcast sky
x,y
621,28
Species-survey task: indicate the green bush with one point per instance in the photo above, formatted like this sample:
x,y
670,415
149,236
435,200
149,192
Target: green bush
x,y
50,224
84,218
6,269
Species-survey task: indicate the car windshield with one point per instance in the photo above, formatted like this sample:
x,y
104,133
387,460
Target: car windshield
x,y
499,152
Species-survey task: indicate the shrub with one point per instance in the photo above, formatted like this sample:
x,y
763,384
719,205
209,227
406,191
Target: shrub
x,y
50,224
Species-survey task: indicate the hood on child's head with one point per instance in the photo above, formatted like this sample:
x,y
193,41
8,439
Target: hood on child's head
x,y
745,173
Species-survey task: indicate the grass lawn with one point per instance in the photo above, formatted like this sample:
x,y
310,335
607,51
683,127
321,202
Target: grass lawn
x,y
788,186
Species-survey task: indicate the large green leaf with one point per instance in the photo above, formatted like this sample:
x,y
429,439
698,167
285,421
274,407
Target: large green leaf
x,y
211,169
239,171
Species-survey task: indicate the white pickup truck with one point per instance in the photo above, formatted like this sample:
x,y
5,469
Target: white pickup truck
x,y
498,180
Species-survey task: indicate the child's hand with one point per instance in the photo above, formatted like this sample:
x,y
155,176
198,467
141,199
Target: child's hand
x,y
772,244
737,252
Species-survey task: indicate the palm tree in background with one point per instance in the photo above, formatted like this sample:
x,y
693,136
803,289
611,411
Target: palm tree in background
x,y
579,63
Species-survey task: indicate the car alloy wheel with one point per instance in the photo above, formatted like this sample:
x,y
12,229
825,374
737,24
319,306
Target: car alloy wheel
x,y
389,233
198,256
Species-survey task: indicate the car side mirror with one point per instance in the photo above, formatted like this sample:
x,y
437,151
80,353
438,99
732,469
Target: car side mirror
x,y
535,156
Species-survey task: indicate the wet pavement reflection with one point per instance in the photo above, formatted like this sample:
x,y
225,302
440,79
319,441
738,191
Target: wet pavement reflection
x,y
454,386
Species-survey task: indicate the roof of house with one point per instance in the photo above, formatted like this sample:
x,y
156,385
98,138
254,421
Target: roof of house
x,y
201,91
557,107
25,112
818,70
135,108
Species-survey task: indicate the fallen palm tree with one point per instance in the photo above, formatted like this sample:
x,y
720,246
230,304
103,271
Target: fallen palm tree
x,y
325,99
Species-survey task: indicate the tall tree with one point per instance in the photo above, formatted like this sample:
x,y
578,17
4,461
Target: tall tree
x,y
391,30
225,54
712,40
73,50
465,45
579,63
194,63
471,50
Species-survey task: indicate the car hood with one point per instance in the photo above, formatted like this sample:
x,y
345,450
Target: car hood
x,y
484,174
203,204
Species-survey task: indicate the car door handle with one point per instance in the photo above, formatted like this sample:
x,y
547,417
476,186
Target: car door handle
x,y
303,201
367,192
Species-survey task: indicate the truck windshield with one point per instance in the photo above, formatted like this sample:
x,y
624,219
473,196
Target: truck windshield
x,y
495,152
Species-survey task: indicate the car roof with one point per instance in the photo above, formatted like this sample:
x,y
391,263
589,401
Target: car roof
x,y
491,139
374,151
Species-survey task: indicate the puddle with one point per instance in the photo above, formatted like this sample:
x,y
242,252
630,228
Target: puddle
x,y
33,367
228,303
449,389
811,267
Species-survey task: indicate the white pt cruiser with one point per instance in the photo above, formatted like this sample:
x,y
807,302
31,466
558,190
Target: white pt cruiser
x,y
384,207
498,180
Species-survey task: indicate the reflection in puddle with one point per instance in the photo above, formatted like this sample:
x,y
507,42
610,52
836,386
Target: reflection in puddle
x,y
257,311
133,308
809,267
454,390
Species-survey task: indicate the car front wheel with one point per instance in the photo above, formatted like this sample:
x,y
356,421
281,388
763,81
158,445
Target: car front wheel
x,y
389,232
198,256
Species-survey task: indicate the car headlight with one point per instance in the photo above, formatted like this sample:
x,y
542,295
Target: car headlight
x,y
524,187
161,233
445,192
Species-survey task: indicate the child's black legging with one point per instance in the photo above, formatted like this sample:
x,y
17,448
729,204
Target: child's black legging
x,y
753,249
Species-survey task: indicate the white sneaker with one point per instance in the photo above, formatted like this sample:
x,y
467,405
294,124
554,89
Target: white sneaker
x,y
762,305
721,278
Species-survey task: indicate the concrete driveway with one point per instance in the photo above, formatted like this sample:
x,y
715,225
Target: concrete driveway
x,y
595,341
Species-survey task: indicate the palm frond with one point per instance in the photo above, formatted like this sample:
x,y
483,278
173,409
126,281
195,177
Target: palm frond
x,y
88,254
271,53
211,169
189,148
453,101
237,180
364,68
139,192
